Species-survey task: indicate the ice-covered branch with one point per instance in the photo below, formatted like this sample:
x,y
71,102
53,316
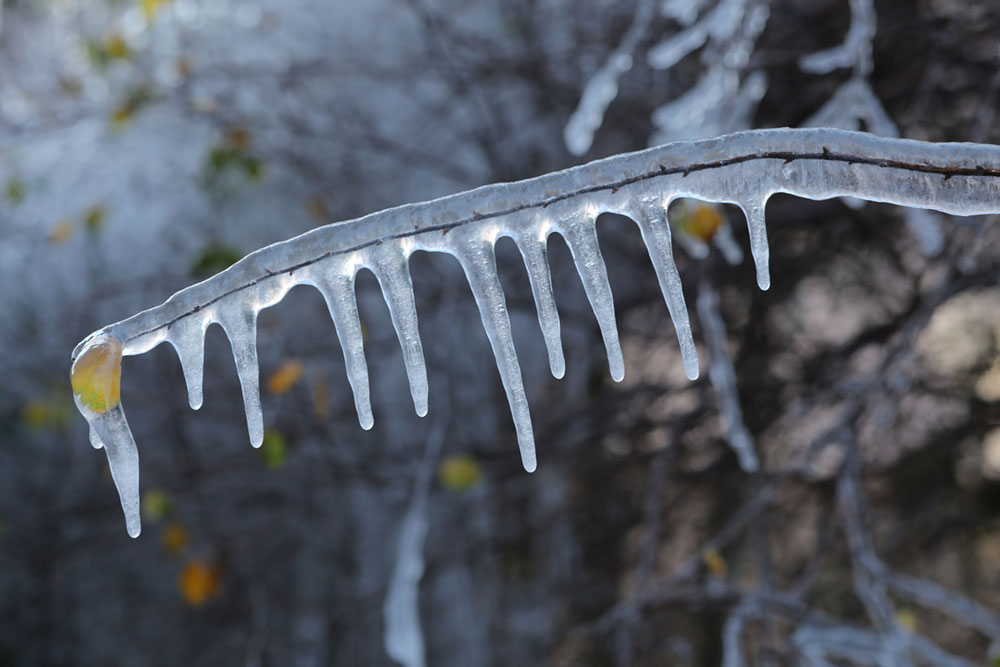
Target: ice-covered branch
x,y
744,169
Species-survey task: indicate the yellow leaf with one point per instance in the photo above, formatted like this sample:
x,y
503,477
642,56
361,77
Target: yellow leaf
x,y
321,398
42,413
906,619
60,232
715,563
459,473
96,375
174,538
238,138
150,7
199,582
703,222
287,375
116,47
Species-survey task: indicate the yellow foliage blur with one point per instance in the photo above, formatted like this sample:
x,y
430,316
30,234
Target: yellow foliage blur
x,y
715,563
150,7
60,232
321,398
459,473
199,582
285,377
174,538
156,505
703,222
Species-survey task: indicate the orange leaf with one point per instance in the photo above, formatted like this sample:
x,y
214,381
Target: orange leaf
x,y
60,232
287,375
199,582
321,398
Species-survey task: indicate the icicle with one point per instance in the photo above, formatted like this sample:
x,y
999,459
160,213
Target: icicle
x,y
240,324
656,235
337,289
188,338
927,228
393,275
754,212
479,262
581,236
123,460
722,375
533,249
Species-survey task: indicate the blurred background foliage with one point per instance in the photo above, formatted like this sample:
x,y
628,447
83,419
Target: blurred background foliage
x,y
147,144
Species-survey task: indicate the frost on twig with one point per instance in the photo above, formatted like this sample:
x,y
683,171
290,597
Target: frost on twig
x,y
602,88
744,169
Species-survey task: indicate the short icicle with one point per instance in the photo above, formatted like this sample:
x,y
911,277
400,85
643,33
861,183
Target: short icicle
x,y
754,211
581,236
479,262
533,249
188,338
655,229
393,273
240,325
337,289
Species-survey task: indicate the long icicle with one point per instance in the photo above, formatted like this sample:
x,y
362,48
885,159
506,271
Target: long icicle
x,y
240,325
479,262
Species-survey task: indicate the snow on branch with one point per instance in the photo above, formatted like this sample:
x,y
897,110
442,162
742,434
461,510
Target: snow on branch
x,y
744,169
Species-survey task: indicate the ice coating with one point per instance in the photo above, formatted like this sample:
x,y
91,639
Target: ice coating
x,y
602,89
722,375
744,168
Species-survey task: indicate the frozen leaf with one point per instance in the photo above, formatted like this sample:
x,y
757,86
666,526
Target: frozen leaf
x,y
199,582
286,377
459,473
96,376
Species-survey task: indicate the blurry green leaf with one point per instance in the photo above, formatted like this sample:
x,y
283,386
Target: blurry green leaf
x,y
156,505
93,218
274,449
214,258
14,190
459,473
135,99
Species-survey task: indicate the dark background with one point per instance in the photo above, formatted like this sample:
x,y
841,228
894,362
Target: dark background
x,y
146,145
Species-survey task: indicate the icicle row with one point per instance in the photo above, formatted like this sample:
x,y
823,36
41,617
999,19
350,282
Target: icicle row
x,y
744,168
